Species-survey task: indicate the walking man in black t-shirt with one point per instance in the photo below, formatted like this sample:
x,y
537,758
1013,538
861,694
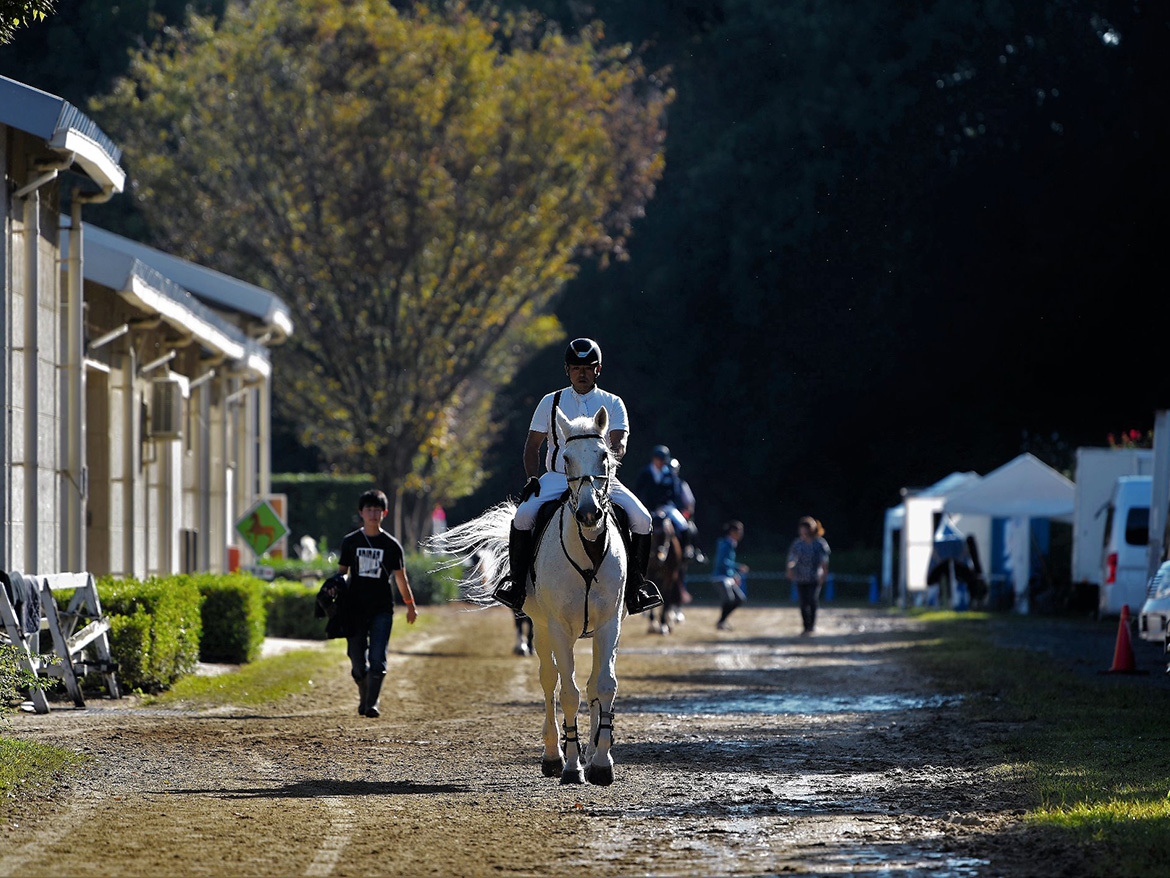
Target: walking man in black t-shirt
x,y
369,555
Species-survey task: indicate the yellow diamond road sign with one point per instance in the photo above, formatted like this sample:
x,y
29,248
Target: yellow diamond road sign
x,y
261,527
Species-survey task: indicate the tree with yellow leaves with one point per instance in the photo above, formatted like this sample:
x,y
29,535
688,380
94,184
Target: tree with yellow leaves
x,y
18,13
417,186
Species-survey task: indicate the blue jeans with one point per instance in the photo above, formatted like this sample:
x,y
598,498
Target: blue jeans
x,y
371,640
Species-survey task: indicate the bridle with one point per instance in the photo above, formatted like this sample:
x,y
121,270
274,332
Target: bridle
x,y
604,504
602,494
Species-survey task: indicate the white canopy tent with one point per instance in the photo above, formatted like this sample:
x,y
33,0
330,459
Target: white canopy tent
x,y
1023,488
914,518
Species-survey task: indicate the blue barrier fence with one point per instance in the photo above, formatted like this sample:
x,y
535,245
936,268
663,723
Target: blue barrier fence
x,y
774,587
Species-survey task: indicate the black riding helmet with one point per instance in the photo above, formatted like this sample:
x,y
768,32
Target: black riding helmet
x,y
583,352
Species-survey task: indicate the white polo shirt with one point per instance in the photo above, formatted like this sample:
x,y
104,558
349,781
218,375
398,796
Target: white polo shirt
x,y
575,405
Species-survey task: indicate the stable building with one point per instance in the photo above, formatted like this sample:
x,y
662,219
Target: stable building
x,y
135,387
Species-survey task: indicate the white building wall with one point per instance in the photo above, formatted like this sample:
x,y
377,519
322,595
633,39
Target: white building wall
x,y
152,491
171,496
32,538
50,402
119,492
18,447
148,527
141,479
5,361
220,484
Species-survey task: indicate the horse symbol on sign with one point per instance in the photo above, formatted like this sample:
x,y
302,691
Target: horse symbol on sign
x,y
261,528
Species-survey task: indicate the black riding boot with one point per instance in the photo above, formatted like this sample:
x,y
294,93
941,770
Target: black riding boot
x,y
373,691
510,592
641,593
361,684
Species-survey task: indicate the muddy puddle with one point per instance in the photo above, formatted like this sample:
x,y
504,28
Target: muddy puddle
x,y
791,703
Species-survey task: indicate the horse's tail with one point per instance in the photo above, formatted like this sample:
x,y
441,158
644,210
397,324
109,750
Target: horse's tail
x,y
481,547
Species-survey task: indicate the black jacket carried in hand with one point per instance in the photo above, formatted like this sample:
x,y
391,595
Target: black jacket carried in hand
x,y
332,605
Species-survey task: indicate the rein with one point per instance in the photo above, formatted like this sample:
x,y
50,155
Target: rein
x,y
590,574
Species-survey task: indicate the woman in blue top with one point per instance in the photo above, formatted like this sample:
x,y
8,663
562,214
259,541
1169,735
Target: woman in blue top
x,y
729,573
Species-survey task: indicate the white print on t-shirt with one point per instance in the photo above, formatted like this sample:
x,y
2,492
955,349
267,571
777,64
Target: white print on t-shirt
x,y
369,562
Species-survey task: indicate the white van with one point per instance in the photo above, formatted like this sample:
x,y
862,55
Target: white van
x,y
1123,557
1155,612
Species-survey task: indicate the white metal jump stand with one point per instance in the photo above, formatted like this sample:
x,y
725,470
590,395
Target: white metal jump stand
x,y
77,652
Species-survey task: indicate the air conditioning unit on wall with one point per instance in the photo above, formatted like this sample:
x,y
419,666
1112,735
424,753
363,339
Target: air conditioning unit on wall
x,y
168,397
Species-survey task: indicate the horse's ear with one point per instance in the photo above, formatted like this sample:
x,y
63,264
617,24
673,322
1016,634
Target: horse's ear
x,y
601,420
562,425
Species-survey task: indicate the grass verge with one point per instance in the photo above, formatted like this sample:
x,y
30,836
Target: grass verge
x,y
1091,751
260,682
270,679
28,769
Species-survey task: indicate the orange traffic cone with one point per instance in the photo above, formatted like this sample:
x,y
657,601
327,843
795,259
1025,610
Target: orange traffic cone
x,y
1123,660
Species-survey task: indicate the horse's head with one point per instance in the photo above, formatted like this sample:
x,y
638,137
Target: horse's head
x,y
589,464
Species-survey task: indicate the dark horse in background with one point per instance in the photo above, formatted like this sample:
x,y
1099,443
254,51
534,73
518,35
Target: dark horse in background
x,y
667,566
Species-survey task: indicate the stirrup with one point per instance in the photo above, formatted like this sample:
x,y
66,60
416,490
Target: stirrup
x,y
506,594
643,597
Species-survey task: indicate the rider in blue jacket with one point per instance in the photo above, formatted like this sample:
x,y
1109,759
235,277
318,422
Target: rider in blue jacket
x,y
659,486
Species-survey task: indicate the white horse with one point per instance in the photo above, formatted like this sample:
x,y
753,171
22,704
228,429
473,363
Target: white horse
x,y
575,590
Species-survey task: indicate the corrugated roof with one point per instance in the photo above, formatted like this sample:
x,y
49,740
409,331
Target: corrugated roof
x,y
62,126
211,286
157,293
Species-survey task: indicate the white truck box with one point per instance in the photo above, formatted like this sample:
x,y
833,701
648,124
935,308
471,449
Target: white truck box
x,y
1097,470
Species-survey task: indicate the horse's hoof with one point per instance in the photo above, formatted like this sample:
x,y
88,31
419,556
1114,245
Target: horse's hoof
x,y
569,776
552,767
599,775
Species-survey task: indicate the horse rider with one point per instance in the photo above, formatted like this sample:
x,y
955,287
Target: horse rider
x,y
658,486
582,398
686,502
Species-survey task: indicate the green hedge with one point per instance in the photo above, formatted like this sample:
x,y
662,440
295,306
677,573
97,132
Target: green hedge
x,y
430,586
291,604
322,505
290,610
160,628
233,616
155,629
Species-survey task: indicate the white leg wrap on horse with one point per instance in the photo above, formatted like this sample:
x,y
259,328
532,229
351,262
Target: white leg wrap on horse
x,y
580,570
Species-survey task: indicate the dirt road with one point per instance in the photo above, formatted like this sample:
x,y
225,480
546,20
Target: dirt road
x,y
747,752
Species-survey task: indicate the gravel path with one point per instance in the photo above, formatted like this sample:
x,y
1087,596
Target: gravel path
x,y
746,752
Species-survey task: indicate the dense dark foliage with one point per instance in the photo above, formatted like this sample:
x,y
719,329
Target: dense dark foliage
x,y
893,240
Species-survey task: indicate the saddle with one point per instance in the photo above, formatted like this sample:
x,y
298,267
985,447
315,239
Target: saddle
x,y
545,514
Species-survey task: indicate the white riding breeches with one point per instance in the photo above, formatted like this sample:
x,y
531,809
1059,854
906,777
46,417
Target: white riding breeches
x,y
553,484
681,525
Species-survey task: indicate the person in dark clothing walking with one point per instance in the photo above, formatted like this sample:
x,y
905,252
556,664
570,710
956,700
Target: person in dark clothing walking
x,y
369,556
808,567
729,573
